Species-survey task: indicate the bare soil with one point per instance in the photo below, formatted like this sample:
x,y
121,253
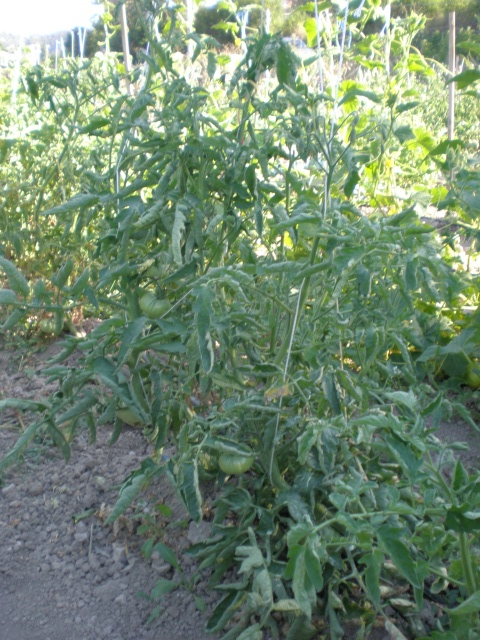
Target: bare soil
x,y
65,573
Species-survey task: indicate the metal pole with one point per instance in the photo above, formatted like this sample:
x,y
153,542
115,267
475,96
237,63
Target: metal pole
x,y
451,66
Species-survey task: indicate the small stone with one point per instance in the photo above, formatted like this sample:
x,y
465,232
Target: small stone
x,y
88,500
118,553
131,563
9,490
160,567
199,532
109,590
121,599
100,483
81,536
35,489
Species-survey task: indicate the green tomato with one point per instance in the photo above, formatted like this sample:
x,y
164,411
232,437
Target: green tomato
x,y
152,307
235,465
48,325
129,417
472,376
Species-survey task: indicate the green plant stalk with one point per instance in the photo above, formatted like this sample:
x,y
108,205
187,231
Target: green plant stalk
x,y
468,572
285,350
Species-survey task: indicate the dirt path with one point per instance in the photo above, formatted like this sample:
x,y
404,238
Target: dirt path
x,y
66,576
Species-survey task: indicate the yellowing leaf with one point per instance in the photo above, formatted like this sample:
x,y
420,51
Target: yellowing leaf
x,y
278,392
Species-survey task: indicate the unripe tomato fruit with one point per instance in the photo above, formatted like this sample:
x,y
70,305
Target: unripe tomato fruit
x,y
472,376
152,307
48,325
235,465
129,417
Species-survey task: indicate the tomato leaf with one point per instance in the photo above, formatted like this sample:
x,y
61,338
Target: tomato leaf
x,y
78,202
15,278
203,309
391,541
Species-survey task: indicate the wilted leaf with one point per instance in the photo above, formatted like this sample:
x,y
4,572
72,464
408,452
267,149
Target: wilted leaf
x,y
394,631
252,557
127,496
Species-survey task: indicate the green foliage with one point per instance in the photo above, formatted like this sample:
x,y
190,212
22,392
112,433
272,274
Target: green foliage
x,y
106,34
306,308
436,7
433,41
209,19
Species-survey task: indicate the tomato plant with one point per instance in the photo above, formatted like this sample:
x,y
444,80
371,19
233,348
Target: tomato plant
x,y
271,300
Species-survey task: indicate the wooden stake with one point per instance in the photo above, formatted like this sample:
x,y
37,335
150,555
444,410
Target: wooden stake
x,y
125,45
451,66
190,21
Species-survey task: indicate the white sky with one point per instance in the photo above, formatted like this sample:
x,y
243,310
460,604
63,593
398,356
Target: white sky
x,y
24,17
